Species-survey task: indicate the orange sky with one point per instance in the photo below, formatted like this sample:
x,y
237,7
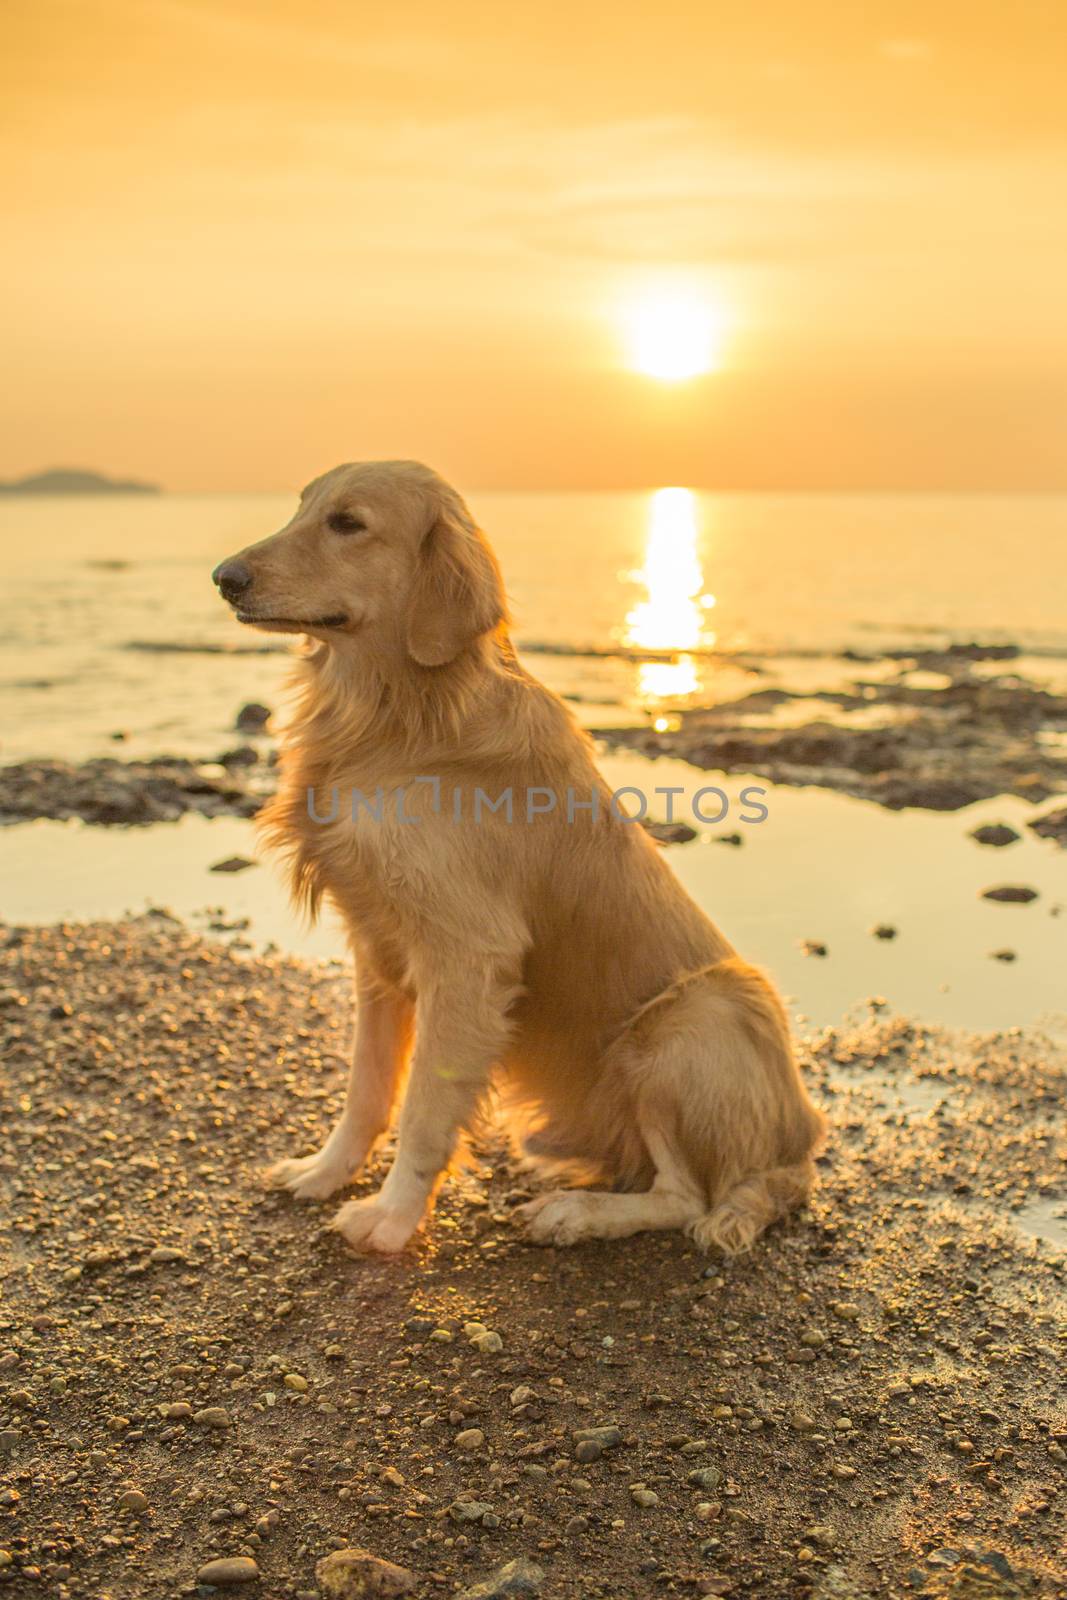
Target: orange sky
x,y
248,238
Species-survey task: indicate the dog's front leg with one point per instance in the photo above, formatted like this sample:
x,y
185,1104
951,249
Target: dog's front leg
x,y
460,1030
383,1038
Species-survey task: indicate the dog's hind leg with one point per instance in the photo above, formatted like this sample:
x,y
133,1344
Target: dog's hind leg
x,y
383,1037
715,1094
567,1216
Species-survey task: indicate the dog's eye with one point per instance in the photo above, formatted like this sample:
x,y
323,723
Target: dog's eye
x,y
345,522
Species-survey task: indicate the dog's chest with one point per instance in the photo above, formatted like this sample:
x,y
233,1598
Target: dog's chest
x,y
376,865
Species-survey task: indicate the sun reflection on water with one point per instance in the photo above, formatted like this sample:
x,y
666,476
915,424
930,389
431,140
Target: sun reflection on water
x,y
672,616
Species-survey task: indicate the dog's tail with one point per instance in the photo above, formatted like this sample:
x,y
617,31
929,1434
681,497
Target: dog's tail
x,y
736,1222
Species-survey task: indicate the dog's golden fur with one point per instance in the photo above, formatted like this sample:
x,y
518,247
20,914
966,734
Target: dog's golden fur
x,y
560,959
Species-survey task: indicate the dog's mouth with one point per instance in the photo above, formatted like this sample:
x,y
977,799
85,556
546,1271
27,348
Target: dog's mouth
x,y
254,619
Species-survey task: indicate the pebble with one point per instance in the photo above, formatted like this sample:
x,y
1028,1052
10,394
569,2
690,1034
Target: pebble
x,y
643,1497
133,1500
229,1569
513,1578
356,1574
705,1477
213,1417
470,1439
997,834
164,1253
468,1510
1019,894
607,1437
252,718
232,864
296,1382
489,1343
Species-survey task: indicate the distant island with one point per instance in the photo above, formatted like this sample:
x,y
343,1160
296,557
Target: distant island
x,y
75,480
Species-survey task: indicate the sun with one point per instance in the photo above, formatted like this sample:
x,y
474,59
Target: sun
x,y
674,333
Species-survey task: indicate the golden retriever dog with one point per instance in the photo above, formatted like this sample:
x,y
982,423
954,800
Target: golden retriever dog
x,y
542,946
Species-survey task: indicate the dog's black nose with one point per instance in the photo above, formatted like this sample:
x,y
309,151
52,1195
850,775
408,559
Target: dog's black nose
x,y
232,578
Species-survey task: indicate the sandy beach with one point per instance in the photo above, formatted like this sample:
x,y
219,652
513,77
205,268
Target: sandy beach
x,y
192,1370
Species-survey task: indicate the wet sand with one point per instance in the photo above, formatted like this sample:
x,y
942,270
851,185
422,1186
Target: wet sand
x,y
869,1405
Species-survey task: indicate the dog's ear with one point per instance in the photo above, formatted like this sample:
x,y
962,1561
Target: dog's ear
x,y
457,593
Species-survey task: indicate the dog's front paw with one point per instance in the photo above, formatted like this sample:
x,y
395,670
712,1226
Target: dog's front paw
x,y
372,1225
563,1218
311,1177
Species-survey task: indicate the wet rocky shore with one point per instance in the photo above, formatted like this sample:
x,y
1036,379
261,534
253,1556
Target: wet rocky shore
x,y
933,730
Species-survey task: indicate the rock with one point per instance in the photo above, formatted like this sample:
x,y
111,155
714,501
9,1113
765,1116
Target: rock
x,y
705,1478
514,1577
133,1500
229,1569
213,1417
944,1558
1011,894
232,864
997,834
468,1510
645,1498
669,832
884,930
489,1343
296,1381
252,718
814,947
470,1439
1053,825
1002,955
356,1574
606,1437
245,755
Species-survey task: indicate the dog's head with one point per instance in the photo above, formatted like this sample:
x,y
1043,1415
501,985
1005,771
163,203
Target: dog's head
x,y
383,552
